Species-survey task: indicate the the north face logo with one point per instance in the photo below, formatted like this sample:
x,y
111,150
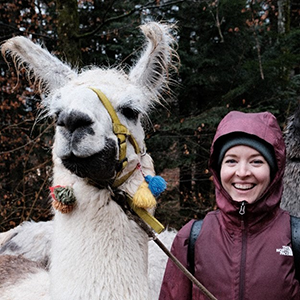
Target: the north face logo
x,y
285,250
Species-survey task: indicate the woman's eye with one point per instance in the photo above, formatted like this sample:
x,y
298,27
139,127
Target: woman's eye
x,y
230,161
130,113
257,162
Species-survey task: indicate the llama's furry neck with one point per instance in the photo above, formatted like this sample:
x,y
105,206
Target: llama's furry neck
x,y
98,253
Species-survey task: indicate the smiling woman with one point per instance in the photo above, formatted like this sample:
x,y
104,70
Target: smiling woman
x,y
244,249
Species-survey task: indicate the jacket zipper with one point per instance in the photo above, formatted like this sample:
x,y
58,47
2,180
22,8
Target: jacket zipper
x,y
242,212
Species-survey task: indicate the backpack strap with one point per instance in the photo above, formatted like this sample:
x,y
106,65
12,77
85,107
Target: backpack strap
x,y
295,229
195,230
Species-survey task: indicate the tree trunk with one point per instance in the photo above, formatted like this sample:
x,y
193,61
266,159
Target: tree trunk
x,y
283,16
67,30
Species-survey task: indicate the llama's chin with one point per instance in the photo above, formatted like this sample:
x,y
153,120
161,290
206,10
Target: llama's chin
x,y
98,168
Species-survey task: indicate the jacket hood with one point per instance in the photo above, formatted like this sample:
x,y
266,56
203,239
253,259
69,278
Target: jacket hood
x,y
265,127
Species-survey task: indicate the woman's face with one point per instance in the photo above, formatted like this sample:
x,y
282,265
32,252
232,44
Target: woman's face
x,y
245,174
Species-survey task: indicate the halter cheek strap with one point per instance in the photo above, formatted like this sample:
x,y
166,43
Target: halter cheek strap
x,y
122,133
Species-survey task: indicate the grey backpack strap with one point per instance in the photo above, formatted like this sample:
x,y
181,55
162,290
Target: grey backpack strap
x,y
295,228
195,230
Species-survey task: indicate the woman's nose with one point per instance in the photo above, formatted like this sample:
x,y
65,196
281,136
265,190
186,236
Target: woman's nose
x,y
243,169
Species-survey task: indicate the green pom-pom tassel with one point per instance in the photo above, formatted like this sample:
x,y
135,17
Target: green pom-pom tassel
x,y
63,198
63,194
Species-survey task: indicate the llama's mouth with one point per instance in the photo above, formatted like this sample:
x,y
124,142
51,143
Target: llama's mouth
x,y
99,167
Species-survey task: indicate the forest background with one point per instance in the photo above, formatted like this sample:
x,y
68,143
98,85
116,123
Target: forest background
x,y
235,55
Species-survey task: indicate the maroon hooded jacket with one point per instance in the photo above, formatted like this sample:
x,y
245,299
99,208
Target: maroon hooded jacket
x,y
245,257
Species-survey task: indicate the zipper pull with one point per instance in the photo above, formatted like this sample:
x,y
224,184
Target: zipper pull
x,y
242,210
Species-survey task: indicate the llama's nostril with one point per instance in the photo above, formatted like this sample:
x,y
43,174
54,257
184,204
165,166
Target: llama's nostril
x,y
74,120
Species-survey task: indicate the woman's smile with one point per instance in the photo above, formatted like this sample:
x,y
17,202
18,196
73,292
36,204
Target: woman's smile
x,y
241,186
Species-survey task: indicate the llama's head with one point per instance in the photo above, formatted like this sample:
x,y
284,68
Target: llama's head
x,y
85,143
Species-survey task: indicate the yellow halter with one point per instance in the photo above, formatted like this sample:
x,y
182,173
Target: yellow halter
x,y
122,133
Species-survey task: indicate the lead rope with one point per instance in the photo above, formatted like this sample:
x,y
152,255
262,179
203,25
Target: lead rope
x,y
178,264
133,215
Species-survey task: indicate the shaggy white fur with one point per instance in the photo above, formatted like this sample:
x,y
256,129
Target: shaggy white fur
x,y
96,251
33,241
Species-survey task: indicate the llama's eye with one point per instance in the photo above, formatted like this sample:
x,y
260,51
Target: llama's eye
x,y
130,113
56,115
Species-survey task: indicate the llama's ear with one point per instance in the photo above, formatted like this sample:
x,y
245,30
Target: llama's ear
x,y
158,57
38,62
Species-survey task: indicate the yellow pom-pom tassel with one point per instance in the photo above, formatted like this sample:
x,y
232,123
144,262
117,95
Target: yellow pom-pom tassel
x,y
143,197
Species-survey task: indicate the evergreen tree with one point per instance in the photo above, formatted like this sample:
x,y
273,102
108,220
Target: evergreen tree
x,y
241,55
233,56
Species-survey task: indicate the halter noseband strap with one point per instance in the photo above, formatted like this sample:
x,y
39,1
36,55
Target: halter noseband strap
x,y
122,133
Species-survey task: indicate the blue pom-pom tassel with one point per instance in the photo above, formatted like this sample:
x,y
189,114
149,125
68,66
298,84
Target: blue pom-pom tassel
x,y
156,184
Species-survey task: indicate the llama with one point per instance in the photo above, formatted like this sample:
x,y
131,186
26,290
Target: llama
x,y
291,193
97,251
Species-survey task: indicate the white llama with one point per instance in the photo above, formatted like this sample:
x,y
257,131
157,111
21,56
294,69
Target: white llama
x,y
96,251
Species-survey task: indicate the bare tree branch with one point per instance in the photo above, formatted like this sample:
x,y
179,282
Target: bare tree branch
x,y
217,21
149,5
